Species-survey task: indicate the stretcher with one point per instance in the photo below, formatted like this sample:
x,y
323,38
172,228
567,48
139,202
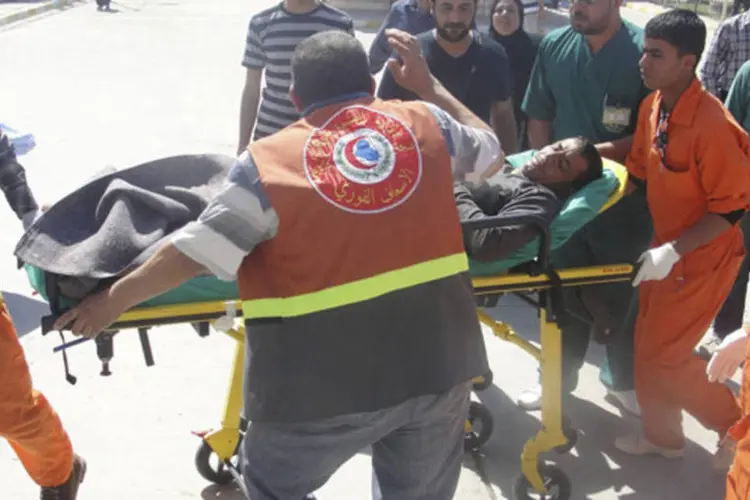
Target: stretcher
x,y
204,302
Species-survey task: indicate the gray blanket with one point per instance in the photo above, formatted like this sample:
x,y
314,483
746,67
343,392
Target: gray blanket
x,y
115,222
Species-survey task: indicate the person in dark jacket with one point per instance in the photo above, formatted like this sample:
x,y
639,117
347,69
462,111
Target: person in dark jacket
x,y
539,187
507,29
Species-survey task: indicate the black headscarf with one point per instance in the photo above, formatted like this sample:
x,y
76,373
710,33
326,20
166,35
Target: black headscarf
x,y
521,49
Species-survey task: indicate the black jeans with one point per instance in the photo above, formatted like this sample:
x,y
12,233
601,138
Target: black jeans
x,y
730,318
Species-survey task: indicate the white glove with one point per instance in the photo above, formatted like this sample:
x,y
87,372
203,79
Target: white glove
x,y
728,357
656,264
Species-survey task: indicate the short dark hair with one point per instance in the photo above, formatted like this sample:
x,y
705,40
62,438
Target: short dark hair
x,y
595,166
328,65
682,29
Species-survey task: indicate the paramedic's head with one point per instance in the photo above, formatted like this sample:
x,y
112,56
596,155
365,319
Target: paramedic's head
x,y
672,48
454,18
327,66
594,17
569,164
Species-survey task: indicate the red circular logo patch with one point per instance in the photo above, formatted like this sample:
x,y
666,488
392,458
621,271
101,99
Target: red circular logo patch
x,y
363,161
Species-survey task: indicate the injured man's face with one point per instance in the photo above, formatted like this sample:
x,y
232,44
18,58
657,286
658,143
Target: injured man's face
x,y
570,162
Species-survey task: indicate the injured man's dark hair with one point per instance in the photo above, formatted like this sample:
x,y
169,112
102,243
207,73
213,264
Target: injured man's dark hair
x,y
540,188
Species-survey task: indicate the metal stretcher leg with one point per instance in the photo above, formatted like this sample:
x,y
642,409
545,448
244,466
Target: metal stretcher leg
x,y
537,476
545,478
224,442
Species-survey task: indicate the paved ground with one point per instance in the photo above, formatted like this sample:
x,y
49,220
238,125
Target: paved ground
x,y
161,77
12,11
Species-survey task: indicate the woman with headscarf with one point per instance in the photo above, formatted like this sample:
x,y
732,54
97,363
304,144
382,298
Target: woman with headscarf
x,y
506,28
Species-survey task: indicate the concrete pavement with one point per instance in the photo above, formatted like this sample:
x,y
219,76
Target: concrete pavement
x,y
13,11
158,78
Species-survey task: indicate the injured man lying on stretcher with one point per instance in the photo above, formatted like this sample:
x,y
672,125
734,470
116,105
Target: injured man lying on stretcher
x,y
540,187
114,223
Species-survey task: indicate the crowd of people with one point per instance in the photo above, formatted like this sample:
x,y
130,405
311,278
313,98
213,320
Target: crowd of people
x,y
372,339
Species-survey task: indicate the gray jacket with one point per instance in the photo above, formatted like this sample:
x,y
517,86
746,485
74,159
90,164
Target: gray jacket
x,y
506,193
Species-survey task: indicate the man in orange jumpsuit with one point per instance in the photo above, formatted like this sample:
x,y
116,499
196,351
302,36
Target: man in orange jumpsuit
x,y
27,420
693,158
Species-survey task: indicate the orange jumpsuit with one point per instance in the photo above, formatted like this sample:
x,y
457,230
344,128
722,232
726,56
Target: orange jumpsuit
x,y
706,170
27,420
738,480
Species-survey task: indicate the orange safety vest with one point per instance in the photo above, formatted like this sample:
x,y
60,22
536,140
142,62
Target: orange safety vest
x,y
362,298
364,197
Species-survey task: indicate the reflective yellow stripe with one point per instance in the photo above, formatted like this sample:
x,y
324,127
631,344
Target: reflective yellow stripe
x,y
357,291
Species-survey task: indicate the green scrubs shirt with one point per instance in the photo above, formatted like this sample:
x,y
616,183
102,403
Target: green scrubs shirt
x,y
594,96
738,100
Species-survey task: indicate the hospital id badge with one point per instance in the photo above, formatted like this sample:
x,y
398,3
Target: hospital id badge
x,y
616,118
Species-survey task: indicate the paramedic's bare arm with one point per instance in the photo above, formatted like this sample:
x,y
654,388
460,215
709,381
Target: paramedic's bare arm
x,y
249,106
233,224
165,270
168,268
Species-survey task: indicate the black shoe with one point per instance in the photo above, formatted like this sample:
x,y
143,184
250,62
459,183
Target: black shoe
x,y
68,490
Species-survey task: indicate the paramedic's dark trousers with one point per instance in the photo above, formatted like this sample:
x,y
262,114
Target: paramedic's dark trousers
x,y
730,318
417,449
617,236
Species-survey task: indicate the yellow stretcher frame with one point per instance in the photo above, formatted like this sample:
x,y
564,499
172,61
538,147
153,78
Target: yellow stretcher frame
x,y
553,435
224,441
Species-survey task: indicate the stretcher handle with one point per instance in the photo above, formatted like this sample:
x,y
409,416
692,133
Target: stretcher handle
x,y
500,221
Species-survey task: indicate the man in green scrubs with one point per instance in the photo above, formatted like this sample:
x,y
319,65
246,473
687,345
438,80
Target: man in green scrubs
x,y
738,99
586,82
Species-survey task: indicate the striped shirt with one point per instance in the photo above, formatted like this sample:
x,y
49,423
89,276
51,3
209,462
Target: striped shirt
x,y
272,37
727,52
241,216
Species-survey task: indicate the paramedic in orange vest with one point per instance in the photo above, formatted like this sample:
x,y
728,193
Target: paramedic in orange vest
x,y
692,157
343,233
731,353
27,420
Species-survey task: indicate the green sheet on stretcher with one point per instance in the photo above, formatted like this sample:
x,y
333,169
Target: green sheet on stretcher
x,y
578,210
576,213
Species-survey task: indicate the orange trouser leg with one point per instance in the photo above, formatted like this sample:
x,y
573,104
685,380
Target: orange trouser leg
x,y
27,420
674,315
738,480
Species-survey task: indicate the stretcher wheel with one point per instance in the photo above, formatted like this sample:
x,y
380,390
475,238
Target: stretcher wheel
x,y
480,423
572,436
483,382
218,473
555,481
